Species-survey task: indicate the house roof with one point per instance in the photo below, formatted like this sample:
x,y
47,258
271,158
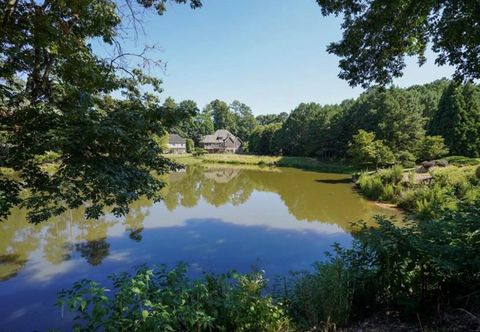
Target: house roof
x,y
176,139
219,136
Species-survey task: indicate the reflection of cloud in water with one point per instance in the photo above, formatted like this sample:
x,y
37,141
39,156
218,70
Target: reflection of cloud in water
x,y
265,209
121,256
43,272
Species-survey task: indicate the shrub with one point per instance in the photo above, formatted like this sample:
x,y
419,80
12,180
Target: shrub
x,y
462,161
381,185
190,145
166,300
447,187
420,266
371,186
406,159
477,172
199,152
322,297
432,147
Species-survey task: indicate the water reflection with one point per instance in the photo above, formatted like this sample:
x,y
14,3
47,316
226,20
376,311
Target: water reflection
x,y
309,196
215,218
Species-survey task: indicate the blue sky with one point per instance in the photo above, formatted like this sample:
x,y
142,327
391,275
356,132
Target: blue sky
x,y
269,54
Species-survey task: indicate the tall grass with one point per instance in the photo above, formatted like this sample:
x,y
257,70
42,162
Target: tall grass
x,y
443,191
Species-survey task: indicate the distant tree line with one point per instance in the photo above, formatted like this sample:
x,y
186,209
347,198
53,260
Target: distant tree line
x,y
380,127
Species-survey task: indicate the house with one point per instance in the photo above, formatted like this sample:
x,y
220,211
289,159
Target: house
x,y
222,141
176,144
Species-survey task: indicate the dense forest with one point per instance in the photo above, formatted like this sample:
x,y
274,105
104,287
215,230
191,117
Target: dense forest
x,y
421,122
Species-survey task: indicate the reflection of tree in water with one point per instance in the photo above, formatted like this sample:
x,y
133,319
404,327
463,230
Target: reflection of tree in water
x,y
138,210
329,200
18,239
10,265
136,234
57,240
183,188
94,251
59,236
218,186
94,247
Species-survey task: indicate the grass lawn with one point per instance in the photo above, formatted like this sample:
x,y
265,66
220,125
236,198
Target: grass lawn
x,y
297,162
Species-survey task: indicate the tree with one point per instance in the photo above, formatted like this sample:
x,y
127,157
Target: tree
x,y
394,115
262,141
190,145
56,95
379,34
458,119
222,115
432,147
245,122
366,150
266,119
301,128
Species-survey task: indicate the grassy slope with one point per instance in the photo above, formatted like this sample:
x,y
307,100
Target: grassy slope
x,y
298,162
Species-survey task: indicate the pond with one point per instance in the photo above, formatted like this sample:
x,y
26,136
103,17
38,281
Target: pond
x,y
213,218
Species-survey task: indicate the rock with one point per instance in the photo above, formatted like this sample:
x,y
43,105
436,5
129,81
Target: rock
x,y
428,164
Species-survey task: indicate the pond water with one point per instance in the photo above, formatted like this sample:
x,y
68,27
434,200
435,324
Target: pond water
x,y
213,218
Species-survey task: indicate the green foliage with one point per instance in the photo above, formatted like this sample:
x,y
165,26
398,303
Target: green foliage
x,y
199,152
245,122
432,147
305,125
462,161
365,150
267,119
323,297
221,114
420,266
264,139
190,145
56,96
383,185
166,300
458,119
374,44
448,188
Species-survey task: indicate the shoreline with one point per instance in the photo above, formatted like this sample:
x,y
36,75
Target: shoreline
x,y
306,163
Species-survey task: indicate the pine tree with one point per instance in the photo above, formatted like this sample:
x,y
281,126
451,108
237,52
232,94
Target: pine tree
x,y
471,94
454,119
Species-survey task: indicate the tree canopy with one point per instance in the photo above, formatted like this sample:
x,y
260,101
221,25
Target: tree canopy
x,y
379,34
56,99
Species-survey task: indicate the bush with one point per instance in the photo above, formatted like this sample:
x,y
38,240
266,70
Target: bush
x,y
190,145
322,297
197,152
406,159
381,185
477,172
448,187
420,266
462,161
432,147
166,300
